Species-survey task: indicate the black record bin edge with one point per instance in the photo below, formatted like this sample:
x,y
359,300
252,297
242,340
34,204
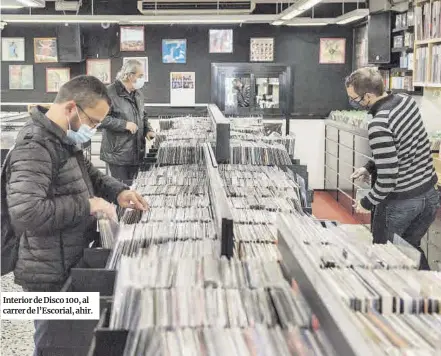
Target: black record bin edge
x,y
107,342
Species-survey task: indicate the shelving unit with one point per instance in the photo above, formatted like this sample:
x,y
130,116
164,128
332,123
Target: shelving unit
x,y
398,75
427,64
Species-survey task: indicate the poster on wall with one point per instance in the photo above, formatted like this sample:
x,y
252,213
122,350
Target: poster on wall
x,y
55,78
99,68
182,88
262,49
174,51
132,39
221,41
145,63
45,50
21,77
332,50
13,49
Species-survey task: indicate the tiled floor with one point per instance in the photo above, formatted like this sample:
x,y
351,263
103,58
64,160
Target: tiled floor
x,y
17,335
325,207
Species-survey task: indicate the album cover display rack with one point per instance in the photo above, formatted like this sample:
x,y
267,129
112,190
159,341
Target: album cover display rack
x,y
221,210
331,313
221,126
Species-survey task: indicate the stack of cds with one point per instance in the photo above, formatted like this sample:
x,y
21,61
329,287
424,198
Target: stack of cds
x,y
181,152
174,295
336,248
258,153
394,306
407,334
387,292
237,342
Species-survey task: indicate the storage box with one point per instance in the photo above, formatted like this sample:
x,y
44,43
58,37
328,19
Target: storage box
x,y
107,342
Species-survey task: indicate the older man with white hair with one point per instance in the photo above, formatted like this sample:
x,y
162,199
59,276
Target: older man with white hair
x,y
126,127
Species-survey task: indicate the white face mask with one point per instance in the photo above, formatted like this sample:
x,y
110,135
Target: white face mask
x,y
139,83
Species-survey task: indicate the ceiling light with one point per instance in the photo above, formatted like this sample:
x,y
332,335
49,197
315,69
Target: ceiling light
x,y
182,21
291,14
352,16
32,3
308,4
298,8
60,20
11,7
277,23
308,24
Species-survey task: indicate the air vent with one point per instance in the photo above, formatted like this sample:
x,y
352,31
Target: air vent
x,y
202,7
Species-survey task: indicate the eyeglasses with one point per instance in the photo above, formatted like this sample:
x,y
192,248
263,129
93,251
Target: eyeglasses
x,y
94,122
357,99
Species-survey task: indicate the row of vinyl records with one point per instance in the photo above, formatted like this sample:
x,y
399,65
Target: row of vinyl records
x,y
174,292
180,142
422,55
428,20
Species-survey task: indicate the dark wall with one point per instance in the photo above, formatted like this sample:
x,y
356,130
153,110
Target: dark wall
x,y
318,88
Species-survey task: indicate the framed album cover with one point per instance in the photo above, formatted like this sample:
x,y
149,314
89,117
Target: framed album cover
x,y
262,49
99,68
55,78
132,39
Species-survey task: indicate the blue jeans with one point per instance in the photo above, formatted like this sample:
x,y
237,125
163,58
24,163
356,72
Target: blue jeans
x,y
409,219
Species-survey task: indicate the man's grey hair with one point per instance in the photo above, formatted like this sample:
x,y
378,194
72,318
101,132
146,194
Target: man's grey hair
x,y
129,67
366,80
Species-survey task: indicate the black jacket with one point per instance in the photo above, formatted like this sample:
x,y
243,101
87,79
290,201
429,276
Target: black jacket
x,y
48,190
119,146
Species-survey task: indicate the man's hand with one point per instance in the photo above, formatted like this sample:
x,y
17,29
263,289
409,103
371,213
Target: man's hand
x,y
99,206
132,199
362,174
150,135
132,127
359,209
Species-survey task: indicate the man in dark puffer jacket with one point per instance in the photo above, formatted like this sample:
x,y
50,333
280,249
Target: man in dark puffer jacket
x,y
52,188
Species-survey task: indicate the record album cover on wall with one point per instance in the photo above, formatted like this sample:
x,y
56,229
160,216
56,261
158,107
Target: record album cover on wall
x,y
221,41
45,50
132,39
262,49
55,78
174,51
332,50
99,68
13,49
21,77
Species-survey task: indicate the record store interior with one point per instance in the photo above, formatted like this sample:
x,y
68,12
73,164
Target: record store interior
x,y
250,129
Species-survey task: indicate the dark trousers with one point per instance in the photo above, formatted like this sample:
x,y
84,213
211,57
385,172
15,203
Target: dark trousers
x,y
124,174
42,337
409,219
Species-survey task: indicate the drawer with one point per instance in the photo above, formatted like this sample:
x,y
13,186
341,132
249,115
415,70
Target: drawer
x,y
346,139
361,145
331,162
345,183
330,179
346,155
332,133
332,147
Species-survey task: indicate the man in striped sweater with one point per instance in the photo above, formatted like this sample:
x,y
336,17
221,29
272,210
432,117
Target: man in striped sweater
x,y
403,198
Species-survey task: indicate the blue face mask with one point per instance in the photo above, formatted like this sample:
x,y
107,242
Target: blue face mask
x,y
83,134
355,104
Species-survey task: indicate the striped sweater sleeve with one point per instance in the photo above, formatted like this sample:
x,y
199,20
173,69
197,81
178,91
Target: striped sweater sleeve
x,y
382,143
